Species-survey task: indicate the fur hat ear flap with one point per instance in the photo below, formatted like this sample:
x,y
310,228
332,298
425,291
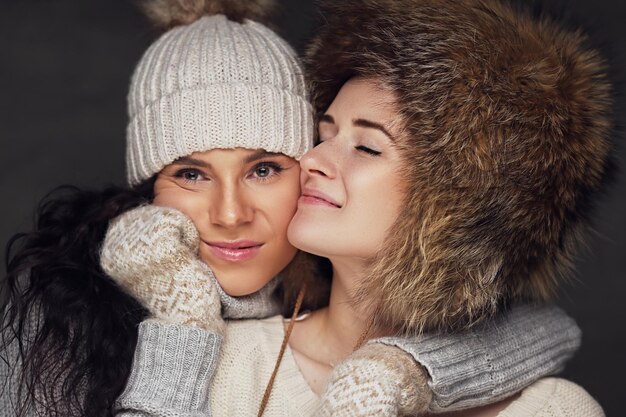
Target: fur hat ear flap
x,y
421,280
507,145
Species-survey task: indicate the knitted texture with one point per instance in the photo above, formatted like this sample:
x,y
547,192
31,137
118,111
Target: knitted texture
x,y
151,252
376,380
258,305
172,370
247,359
213,84
554,397
507,354
459,377
248,353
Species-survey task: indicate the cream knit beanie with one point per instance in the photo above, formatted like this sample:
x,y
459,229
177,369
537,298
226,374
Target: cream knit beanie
x,y
215,83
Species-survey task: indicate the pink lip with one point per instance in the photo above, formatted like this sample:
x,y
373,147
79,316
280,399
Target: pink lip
x,y
241,250
310,196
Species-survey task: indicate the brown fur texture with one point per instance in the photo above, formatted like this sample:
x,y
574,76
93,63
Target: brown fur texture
x,y
166,14
505,147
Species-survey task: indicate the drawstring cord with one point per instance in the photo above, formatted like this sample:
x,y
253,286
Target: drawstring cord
x,y
364,335
283,346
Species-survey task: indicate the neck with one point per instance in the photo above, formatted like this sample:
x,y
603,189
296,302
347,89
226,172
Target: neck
x,y
342,319
330,334
341,325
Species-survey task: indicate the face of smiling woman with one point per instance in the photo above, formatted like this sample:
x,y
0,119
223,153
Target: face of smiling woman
x,y
241,201
352,190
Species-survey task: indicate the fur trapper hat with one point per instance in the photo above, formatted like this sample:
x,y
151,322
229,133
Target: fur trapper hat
x,y
505,147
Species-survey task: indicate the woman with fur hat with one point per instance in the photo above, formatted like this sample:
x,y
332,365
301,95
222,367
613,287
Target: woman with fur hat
x,y
480,136
176,121
506,144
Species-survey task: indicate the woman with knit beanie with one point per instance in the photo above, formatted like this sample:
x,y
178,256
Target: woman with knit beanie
x,y
208,86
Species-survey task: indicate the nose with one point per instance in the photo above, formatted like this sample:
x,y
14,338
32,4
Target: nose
x,y
319,162
231,208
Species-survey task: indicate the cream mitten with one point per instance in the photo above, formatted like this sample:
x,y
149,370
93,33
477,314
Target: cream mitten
x,y
152,253
376,380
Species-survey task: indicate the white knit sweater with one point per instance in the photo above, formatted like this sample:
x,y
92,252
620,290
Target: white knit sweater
x,y
174,366
250,350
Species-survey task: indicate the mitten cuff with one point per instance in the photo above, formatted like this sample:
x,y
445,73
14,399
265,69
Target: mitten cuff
x,y
493,361
172,371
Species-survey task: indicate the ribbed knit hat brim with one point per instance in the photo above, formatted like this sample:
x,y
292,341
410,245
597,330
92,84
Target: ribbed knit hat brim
x,y
248,116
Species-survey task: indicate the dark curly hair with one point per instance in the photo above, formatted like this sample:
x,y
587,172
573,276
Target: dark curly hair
x,y
72,328
68,331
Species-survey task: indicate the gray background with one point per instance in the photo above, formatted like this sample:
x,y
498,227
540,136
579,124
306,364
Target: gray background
x,y
64,70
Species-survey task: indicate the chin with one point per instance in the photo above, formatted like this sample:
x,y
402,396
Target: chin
x,y
239,285
296,236
311,240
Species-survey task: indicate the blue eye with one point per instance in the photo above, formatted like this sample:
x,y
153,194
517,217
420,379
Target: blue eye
x,y
367,150
189,174
266,170
263,171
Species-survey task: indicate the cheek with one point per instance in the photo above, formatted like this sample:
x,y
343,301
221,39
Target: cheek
x,y
375,201
281,202
175,197
384,207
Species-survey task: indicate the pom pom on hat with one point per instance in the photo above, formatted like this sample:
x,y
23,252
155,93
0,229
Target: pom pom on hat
x,y
166,14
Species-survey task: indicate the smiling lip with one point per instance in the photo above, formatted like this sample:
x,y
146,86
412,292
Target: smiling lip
x,y
315,197
241,250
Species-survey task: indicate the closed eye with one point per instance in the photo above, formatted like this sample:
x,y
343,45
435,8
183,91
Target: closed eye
x,y
367,150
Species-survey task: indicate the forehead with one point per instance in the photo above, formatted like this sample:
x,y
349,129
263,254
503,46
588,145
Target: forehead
x,y
365,98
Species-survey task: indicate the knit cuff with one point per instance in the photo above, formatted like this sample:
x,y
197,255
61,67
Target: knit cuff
x,y
493,361
172,371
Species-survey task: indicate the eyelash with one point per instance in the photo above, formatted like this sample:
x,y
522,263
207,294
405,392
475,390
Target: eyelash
x,y
367,150
181,174
360,148
276,169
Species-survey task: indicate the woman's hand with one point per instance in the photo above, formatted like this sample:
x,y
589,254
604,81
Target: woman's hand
x,y
152,253
376,380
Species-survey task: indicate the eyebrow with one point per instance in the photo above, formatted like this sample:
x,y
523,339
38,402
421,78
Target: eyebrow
x,y
361,123
187,160
260,154
373,125
327,118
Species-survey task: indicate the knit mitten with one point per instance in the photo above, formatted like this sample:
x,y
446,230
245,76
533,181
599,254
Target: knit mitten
x,y
152,253
376,380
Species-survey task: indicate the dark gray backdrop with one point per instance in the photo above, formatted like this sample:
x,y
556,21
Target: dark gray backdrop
x,y
64,70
